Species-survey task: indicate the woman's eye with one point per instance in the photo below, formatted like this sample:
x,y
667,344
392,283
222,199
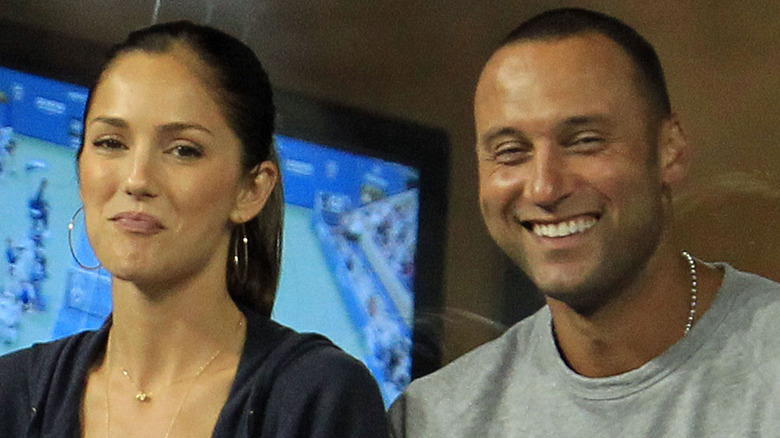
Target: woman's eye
x,y
108,143
186,151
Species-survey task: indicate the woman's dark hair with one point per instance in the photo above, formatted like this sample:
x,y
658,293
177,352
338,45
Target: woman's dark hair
x,y
567,22
241,87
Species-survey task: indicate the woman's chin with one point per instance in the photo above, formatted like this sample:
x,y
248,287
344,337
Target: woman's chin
x,y
133,272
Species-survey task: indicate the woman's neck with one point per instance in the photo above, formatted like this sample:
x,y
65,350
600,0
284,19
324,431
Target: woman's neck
x,y
172,336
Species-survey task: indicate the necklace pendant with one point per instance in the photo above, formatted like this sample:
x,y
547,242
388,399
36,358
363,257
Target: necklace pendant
x,y
142,397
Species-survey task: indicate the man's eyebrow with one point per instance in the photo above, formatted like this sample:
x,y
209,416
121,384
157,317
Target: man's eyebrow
x,y
508,131
585,119
501,132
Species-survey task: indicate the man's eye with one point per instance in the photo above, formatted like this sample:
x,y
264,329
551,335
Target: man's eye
x,y
511,153
590,140
587,141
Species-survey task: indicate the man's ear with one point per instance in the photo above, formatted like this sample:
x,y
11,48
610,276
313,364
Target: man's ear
x,y
674,151
252,197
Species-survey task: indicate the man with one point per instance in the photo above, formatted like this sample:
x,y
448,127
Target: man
x,y
578,153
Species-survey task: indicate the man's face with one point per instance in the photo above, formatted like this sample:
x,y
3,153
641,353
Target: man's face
x,y
570,185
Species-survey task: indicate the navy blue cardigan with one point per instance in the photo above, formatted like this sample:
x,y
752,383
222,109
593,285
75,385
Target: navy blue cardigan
x,y
287,385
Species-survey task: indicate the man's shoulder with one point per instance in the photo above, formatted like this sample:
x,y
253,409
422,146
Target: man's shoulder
x,y
748,292
479,378
736,277
753,307
484,361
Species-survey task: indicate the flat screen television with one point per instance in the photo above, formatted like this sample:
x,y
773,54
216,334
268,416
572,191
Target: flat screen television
x,y
365,201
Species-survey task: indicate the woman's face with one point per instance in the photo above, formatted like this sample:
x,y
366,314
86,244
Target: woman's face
x,y
160,173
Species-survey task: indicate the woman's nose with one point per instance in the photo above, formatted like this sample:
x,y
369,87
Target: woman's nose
x,y
140,177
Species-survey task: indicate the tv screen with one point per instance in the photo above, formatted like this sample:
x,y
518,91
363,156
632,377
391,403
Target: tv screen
x,y
364,203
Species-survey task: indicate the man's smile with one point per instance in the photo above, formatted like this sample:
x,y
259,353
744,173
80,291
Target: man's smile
x,y
562,228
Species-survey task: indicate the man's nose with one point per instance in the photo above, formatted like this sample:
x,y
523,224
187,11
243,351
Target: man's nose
x,y
547,185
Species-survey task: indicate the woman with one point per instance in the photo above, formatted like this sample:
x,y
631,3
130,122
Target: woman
x,y
179,181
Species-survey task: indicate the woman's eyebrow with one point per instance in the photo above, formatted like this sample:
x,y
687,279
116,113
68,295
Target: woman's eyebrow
x,y
112,121
182,126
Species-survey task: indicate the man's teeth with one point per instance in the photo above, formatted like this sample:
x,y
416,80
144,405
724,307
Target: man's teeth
x,y
563,229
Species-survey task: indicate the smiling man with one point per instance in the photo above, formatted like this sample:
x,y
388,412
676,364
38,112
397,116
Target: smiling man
x,y
579,152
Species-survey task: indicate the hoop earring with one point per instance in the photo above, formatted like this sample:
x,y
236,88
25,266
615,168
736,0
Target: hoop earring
x,y
71,226
244,241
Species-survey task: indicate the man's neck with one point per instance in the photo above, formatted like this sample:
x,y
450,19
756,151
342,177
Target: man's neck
x,y
640,324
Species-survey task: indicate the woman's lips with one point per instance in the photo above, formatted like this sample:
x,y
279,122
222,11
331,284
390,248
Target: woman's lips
x,y
139,223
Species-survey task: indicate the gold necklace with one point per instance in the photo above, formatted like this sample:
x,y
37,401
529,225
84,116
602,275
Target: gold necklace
x,y
143,396
146,396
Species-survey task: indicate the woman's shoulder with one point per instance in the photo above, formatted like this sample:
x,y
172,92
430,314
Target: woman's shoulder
x,y
62,356
31,377
302,381
18,365
15,369
271,345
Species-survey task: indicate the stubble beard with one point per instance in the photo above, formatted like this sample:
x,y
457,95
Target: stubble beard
x,y
619,269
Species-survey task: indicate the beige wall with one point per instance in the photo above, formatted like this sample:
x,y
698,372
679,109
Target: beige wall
x,y
420,59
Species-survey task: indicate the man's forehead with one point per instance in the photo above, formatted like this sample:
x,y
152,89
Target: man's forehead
x,y
551,80
581,65
549,53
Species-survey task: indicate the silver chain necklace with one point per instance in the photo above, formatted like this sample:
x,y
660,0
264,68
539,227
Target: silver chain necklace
x,y
694,291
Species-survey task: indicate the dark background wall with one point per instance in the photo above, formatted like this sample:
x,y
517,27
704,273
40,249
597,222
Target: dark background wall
x,y
420,60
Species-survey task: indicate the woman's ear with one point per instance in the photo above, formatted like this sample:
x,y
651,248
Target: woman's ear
x,y
253,195
674,151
